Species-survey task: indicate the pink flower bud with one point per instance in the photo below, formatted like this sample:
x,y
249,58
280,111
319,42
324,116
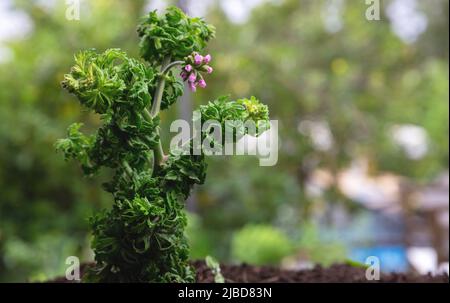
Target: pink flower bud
x,y
192,77
192,86
198,59
184,75
209,69
202,83
207,59
188,68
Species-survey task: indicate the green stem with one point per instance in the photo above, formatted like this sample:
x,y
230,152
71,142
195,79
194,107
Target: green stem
x,y
147,115
156,105
157,97
159,153
171,65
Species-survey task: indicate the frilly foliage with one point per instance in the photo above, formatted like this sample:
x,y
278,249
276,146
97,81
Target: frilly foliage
x,y
173,35
141,239
236,115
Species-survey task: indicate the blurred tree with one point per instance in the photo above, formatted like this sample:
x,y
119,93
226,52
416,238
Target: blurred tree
x,y
339,90
40,195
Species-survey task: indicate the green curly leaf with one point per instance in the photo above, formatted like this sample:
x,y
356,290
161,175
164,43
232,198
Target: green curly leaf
x,y
172,35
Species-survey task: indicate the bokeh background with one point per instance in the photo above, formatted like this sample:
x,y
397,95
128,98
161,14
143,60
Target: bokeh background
x,y
363,124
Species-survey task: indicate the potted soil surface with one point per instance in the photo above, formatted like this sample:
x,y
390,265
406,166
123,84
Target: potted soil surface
x,y
337,273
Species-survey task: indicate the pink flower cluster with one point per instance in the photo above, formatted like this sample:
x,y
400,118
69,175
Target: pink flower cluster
x,y
196,63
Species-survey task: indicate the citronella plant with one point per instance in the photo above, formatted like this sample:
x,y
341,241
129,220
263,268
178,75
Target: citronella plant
x,y
141,239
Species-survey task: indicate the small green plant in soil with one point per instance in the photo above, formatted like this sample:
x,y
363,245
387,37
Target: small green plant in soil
x,y
214,266
141,239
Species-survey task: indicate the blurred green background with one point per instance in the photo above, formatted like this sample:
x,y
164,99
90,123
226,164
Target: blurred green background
x,y
363,132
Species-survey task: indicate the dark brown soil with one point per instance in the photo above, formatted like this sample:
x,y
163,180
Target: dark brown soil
x,y
338,273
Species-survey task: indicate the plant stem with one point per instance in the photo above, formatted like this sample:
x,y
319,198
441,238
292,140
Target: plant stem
x,y
157,97
156,105
147,115
171,65
159,153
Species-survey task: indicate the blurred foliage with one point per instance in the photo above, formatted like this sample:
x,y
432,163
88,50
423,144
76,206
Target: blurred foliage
x,y
200,242
44,202
260,244
358,82
352,85
313,248
265,244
